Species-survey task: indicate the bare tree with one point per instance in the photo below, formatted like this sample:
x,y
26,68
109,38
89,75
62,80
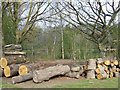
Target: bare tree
x,y
94,19
25,15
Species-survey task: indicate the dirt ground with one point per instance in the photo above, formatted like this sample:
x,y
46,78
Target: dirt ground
x,y
46,84
60,80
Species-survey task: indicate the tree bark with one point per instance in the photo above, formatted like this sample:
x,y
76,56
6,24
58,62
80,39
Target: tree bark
x,y
46,74
11,70
22,78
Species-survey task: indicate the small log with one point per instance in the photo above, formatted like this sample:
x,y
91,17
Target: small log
x,y
100,61
21,78
99,65
97,70
3,62
11,70
113,69
102,76
107,62
116,62
47,73
112,64
91,64
117,69
91,74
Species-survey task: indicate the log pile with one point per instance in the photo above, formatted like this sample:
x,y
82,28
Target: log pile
x,y
101,69
39,72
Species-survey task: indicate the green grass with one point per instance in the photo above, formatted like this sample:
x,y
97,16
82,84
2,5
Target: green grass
x,y
5,85
93,83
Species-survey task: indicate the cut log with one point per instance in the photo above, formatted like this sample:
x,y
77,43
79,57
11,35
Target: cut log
x,y
117,70
91,64
47,73
107,62
3,62
107,71
91,74
116,62
102,76
9,61
106,68
85,67
97,70
21,78
99,65
27,68
11,70
112,64
100,61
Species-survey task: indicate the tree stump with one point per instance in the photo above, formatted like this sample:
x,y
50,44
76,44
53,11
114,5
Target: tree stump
x,y
47,73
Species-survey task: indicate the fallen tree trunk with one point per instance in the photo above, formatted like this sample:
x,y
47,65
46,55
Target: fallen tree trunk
x,y
10,60
22,78
11,70
47,73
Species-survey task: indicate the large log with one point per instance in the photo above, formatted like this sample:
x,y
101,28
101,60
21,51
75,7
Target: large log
x,y
10,60
21,78
11,70
91,64
27,68
47,73
91,74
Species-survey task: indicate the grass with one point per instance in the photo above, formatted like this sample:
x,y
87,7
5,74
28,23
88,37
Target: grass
x,y
5,85
93,83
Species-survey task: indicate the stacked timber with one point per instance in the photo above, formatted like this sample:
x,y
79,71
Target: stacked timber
x,y
91,68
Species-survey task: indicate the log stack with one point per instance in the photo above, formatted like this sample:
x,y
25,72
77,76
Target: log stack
x,y
11,61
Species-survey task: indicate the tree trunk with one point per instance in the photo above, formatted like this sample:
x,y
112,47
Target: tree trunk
x,y
22,78
62,43
11,70
27,68
46,74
